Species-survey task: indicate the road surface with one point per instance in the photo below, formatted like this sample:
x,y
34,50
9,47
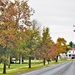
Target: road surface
x,y
66,68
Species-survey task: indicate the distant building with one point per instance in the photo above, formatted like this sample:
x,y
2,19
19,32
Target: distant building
x,y
63,55
71,54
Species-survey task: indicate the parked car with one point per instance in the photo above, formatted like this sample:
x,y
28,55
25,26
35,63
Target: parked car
x,y
12,60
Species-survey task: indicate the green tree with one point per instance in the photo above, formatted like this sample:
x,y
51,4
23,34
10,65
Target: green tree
x,y
32,34
71,44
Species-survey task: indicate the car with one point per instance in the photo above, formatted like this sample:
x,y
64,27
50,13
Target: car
x,y
12,60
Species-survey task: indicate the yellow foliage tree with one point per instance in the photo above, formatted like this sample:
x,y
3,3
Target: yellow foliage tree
x,y
61,46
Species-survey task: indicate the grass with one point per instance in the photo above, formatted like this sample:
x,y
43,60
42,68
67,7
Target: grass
x,y
16,69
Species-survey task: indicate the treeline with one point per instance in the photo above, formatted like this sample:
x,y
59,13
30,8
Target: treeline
x,y
22,38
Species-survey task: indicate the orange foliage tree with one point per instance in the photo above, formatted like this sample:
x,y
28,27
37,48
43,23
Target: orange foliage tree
x,y
53,51
43,51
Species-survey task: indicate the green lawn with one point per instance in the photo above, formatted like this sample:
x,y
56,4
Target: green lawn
x,y
17,68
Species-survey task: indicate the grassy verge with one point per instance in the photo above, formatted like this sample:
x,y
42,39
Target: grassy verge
x,y
16,69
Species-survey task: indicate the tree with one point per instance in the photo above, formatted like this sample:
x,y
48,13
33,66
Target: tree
x,y
20,45
61,46
11,16
32,34
68,48
46,42
71,44
53,51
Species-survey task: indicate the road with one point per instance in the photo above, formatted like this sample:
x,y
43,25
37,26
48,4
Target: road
x,y
66,68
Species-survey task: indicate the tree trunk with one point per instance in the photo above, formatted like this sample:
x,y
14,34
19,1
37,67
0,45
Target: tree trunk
x,y
20,59
44,61
8,65
56,59
48,62
4,68
29,62
9,62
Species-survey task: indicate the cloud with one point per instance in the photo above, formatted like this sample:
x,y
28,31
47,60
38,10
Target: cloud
x,y
58,15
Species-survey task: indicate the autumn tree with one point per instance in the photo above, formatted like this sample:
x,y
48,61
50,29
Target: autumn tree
x,y
61,46
20,43
68,47
53,51
12,15
45,45
32,34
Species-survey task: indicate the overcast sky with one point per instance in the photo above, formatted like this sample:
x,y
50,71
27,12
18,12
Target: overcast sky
x,y
58,15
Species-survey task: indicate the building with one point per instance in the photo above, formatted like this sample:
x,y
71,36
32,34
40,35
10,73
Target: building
x,y
71,54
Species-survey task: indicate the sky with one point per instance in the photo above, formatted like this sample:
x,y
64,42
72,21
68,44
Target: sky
x,y
58,15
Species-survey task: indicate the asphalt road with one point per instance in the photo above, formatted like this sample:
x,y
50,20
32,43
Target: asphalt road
x,y
66,68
